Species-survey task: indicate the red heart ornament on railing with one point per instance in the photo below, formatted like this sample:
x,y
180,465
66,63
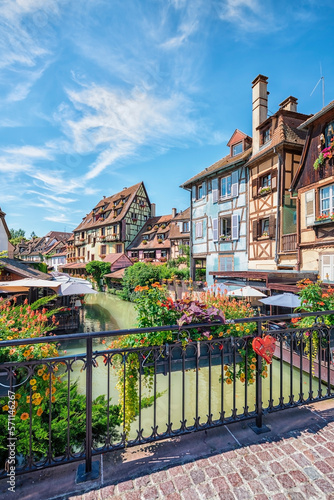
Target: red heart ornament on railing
x,y
265,347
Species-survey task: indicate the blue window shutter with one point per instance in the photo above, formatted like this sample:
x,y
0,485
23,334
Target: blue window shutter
x,y
235,184
215,229
193,190
204,188
214,190
235,226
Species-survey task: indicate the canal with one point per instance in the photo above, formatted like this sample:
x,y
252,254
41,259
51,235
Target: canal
x,y
103,312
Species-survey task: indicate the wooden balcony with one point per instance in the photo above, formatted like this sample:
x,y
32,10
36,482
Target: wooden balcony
x,y
289,242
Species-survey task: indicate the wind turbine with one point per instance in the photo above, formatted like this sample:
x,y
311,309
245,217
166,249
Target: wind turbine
x,y
322,79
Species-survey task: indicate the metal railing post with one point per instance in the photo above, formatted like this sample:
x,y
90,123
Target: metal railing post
x,y
89,470
89,399
259,427
258,395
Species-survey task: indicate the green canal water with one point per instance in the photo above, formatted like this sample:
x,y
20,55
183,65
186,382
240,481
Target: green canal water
x,y
106,312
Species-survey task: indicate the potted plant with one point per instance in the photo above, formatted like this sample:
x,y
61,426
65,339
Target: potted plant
x,y
160,240
144,242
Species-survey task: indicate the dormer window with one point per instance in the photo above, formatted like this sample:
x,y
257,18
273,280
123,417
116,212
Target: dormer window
x,y
237,149
266,135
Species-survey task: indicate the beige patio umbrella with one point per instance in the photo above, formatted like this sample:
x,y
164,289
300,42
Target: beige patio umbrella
x,y
26,283
246,291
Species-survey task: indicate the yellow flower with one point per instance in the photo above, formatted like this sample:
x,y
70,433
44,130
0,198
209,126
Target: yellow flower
x,y
265,368
46,376
242,379
34,387
252,367
251,381
53,390
237,328
247,330
254,360
28,399
33,382
47,392
225,367
5,408
264,374
39,412
228,374
53,399
228,381
40,372
17,396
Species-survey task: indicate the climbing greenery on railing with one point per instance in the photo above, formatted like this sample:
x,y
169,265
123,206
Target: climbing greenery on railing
x,y
42,388
155,308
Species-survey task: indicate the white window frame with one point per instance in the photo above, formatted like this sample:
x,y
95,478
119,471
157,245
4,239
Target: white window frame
x,y
325,275
228,194
330,210
234,146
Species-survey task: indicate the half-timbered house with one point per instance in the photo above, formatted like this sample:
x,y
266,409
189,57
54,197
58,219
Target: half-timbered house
x,y
277,148
314,182
219,211
111,225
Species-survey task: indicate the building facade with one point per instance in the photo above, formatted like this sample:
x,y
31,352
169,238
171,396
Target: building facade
x,y
276,153
110,226
219,211
314,183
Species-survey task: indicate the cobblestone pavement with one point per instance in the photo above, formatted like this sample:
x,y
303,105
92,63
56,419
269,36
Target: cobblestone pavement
x,y
297,466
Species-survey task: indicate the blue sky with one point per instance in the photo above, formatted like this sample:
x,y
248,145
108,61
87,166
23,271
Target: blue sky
x,y
96,95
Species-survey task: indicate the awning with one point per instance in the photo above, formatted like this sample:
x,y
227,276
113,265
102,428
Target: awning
x,y
26,283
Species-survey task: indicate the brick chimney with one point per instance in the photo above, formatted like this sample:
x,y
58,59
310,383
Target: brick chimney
x,y
260,107
152,209
289,104
173,212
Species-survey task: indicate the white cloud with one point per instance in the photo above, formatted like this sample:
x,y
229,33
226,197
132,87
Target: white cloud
x,y
29,152
116,124
248,15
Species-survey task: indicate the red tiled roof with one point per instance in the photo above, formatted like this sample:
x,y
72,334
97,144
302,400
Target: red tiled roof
x,y
116,274
137,243
285,130
226,162
110,203
114,257
238,136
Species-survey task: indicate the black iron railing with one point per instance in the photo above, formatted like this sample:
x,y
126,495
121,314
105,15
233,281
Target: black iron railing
x,y
181,387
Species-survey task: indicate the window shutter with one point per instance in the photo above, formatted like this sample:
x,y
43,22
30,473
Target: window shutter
x,y
214,190
226,263
235,226
215,229
309,207
235,184
193,190
272,226
255,230
199,229
255,188
274,180
204,188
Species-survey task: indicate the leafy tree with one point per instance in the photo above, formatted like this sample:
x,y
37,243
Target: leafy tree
x,y
33,235
16,235
98,269
140,274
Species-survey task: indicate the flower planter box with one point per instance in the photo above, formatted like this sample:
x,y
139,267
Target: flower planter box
x,y
172,356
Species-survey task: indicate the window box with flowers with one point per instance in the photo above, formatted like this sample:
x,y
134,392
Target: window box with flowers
x,y
225,237
160,241
144,242
326,153
264,190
